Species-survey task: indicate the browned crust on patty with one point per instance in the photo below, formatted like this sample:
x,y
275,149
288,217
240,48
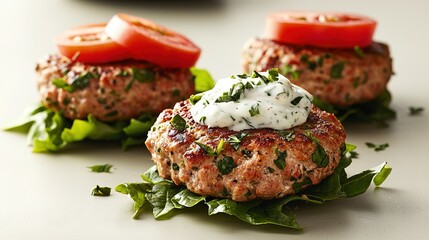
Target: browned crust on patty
x,y
363,77
109,94
179,158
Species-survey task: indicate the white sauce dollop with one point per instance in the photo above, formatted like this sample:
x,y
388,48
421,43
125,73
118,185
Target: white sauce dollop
x,y
264,100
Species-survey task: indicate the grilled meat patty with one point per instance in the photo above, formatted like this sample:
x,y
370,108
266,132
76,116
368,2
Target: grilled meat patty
x,y
341,77
257,163
111,91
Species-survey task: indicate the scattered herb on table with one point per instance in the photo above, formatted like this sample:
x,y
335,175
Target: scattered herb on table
x,y
101,168
101,191
377,147
414,111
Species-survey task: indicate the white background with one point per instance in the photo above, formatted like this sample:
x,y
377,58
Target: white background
x,y
47,196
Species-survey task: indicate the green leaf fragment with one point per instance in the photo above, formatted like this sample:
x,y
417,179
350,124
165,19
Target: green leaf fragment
x,y
377,147
226,165
203,79
207,149
101,191
359,52
235,140
105,168
382,175
337,70
280,161
178,122
376,111
50,131
414,111
254,110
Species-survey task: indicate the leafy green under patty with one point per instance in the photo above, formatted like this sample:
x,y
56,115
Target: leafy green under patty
x,y
376,111
165,198
50,131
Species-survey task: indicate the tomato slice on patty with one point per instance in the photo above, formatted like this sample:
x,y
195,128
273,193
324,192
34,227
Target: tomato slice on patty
x,y
152,42
89,43
332,30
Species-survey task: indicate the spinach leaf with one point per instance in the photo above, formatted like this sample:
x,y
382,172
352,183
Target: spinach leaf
x,y
376,112
164,197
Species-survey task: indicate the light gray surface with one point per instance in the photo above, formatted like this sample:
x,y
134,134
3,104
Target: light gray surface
x,y
47,196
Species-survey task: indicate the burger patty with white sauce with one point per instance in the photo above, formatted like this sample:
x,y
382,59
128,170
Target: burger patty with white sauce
x,y
254,162
341,77
110,91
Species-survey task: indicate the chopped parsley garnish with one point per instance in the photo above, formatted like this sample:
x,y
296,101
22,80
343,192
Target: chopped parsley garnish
x,y
207,149
142,75
123,73
242,76
286,135
413,111
175,167
61,83
359,52
248,122
273,74
377,147
101,191
178,122
289,70
337,70
254,110
226,165
82,80
175,93
319,155
101,168
220,146
79,82
233,95
235,140
296,100
280,161
260,76
356,82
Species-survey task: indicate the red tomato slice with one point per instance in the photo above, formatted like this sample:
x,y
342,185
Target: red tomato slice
x,y
89,43
152,42
333,30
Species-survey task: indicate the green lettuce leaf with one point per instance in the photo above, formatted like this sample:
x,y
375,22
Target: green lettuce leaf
x,y
49,131
165,198
376,111
203,80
